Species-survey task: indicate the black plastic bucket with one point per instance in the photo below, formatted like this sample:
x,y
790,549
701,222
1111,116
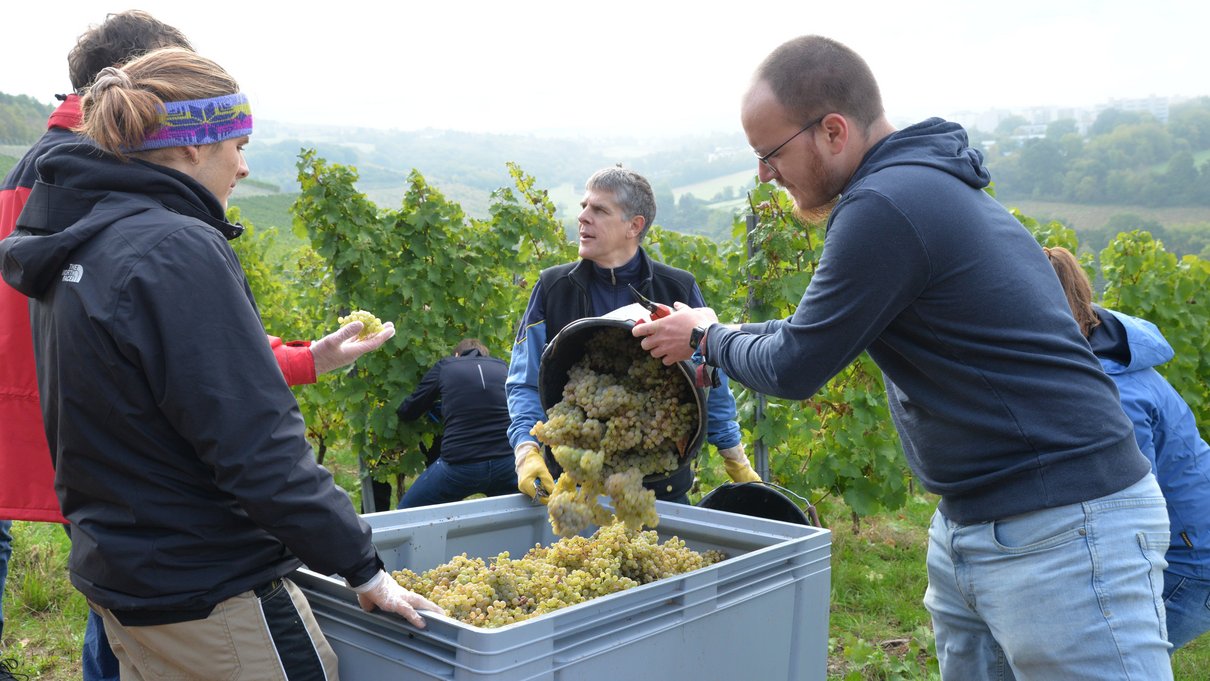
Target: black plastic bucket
x,y
570,344
756,499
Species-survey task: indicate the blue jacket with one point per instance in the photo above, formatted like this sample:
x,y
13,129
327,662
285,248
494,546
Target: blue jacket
x,y
1165,430
602,291
1000,404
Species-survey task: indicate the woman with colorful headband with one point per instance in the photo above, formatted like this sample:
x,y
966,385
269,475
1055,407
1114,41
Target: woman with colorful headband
x,y
181,455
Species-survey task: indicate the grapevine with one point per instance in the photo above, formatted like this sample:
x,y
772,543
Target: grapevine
x,y
623,416
572,570
372,324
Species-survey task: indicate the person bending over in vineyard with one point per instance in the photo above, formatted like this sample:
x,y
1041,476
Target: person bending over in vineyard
x,y
26,487
1046,551
1129,349
618,209
475,454
167,396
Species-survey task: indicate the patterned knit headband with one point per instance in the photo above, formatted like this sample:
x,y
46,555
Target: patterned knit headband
x,y
201,121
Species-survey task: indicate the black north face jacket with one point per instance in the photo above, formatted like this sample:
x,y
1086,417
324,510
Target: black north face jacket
x,y
180,454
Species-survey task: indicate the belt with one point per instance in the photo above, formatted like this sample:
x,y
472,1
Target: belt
x,y
264,590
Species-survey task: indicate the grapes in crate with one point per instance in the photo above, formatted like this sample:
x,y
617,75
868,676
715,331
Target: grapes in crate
x,y
502,590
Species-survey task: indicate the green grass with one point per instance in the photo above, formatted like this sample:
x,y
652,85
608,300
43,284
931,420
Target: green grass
x,y
1082,217
44,615
6,163
265,211
741,182
878,631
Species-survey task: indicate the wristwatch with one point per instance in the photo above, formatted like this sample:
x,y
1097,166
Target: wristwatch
x,y
696,336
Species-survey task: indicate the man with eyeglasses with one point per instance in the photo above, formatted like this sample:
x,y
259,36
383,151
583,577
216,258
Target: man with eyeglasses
x,y
618,209
1046,552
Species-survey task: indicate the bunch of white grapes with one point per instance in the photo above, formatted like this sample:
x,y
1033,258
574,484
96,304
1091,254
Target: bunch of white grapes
x,y
372,324
572,570
623,416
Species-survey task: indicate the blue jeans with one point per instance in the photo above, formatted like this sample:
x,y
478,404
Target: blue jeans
x,y
98,661
1187,602
445,482
1073,592
6,550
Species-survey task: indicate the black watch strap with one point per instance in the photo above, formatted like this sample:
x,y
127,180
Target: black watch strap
x,y
696,336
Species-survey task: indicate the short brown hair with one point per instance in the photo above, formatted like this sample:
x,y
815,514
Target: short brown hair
x,y
120,38
1076,287
813,76
467,344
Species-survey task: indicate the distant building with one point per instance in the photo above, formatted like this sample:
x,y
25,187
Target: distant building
x,y
987,121
1156,106
1033,131
1040,116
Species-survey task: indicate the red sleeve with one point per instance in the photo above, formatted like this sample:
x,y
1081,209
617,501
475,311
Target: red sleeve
x,y
295,360
27,490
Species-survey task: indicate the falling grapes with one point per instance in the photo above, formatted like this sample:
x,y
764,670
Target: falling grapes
x,y
572,570
372,324
623,416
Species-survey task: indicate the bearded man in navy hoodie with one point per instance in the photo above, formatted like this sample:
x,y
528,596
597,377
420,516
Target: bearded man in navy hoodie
x,y
1046,552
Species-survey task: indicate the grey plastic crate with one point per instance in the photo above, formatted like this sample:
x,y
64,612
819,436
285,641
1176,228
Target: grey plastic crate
x,y
760,614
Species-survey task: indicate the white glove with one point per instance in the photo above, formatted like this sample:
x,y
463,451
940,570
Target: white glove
x,y
383,592
341,347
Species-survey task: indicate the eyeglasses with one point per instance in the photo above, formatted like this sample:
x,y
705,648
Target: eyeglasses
x,y
766,158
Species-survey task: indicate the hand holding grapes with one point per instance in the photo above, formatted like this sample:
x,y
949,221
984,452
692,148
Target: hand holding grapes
x,y
343,346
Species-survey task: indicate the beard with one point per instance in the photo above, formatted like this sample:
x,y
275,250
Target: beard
x,y
829,188
818,213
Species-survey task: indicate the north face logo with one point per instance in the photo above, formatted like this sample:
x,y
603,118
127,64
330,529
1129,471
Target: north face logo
x,y
73,273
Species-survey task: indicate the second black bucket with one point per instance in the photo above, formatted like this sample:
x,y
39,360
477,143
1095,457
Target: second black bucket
x,y
756,499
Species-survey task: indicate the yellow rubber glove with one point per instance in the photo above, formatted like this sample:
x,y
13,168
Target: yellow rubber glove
x,y
736,464
531,465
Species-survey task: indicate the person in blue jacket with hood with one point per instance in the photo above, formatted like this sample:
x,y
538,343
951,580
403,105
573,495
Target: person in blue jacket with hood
x,y
1046,552
1129,349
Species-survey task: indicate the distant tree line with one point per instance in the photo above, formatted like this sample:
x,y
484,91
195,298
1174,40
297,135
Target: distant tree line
x,y
1125,158
464,163
479,160
22,119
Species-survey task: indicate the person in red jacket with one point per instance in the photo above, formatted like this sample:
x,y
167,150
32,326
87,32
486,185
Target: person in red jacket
x,y
26,471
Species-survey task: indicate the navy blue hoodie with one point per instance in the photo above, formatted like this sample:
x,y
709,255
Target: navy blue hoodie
x,y
999,402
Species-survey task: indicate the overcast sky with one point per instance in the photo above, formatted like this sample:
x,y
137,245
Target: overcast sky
x,y
647,67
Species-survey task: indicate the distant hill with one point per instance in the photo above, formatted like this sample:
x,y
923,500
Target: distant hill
x,y
22,119
468,167
6,163
700,181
